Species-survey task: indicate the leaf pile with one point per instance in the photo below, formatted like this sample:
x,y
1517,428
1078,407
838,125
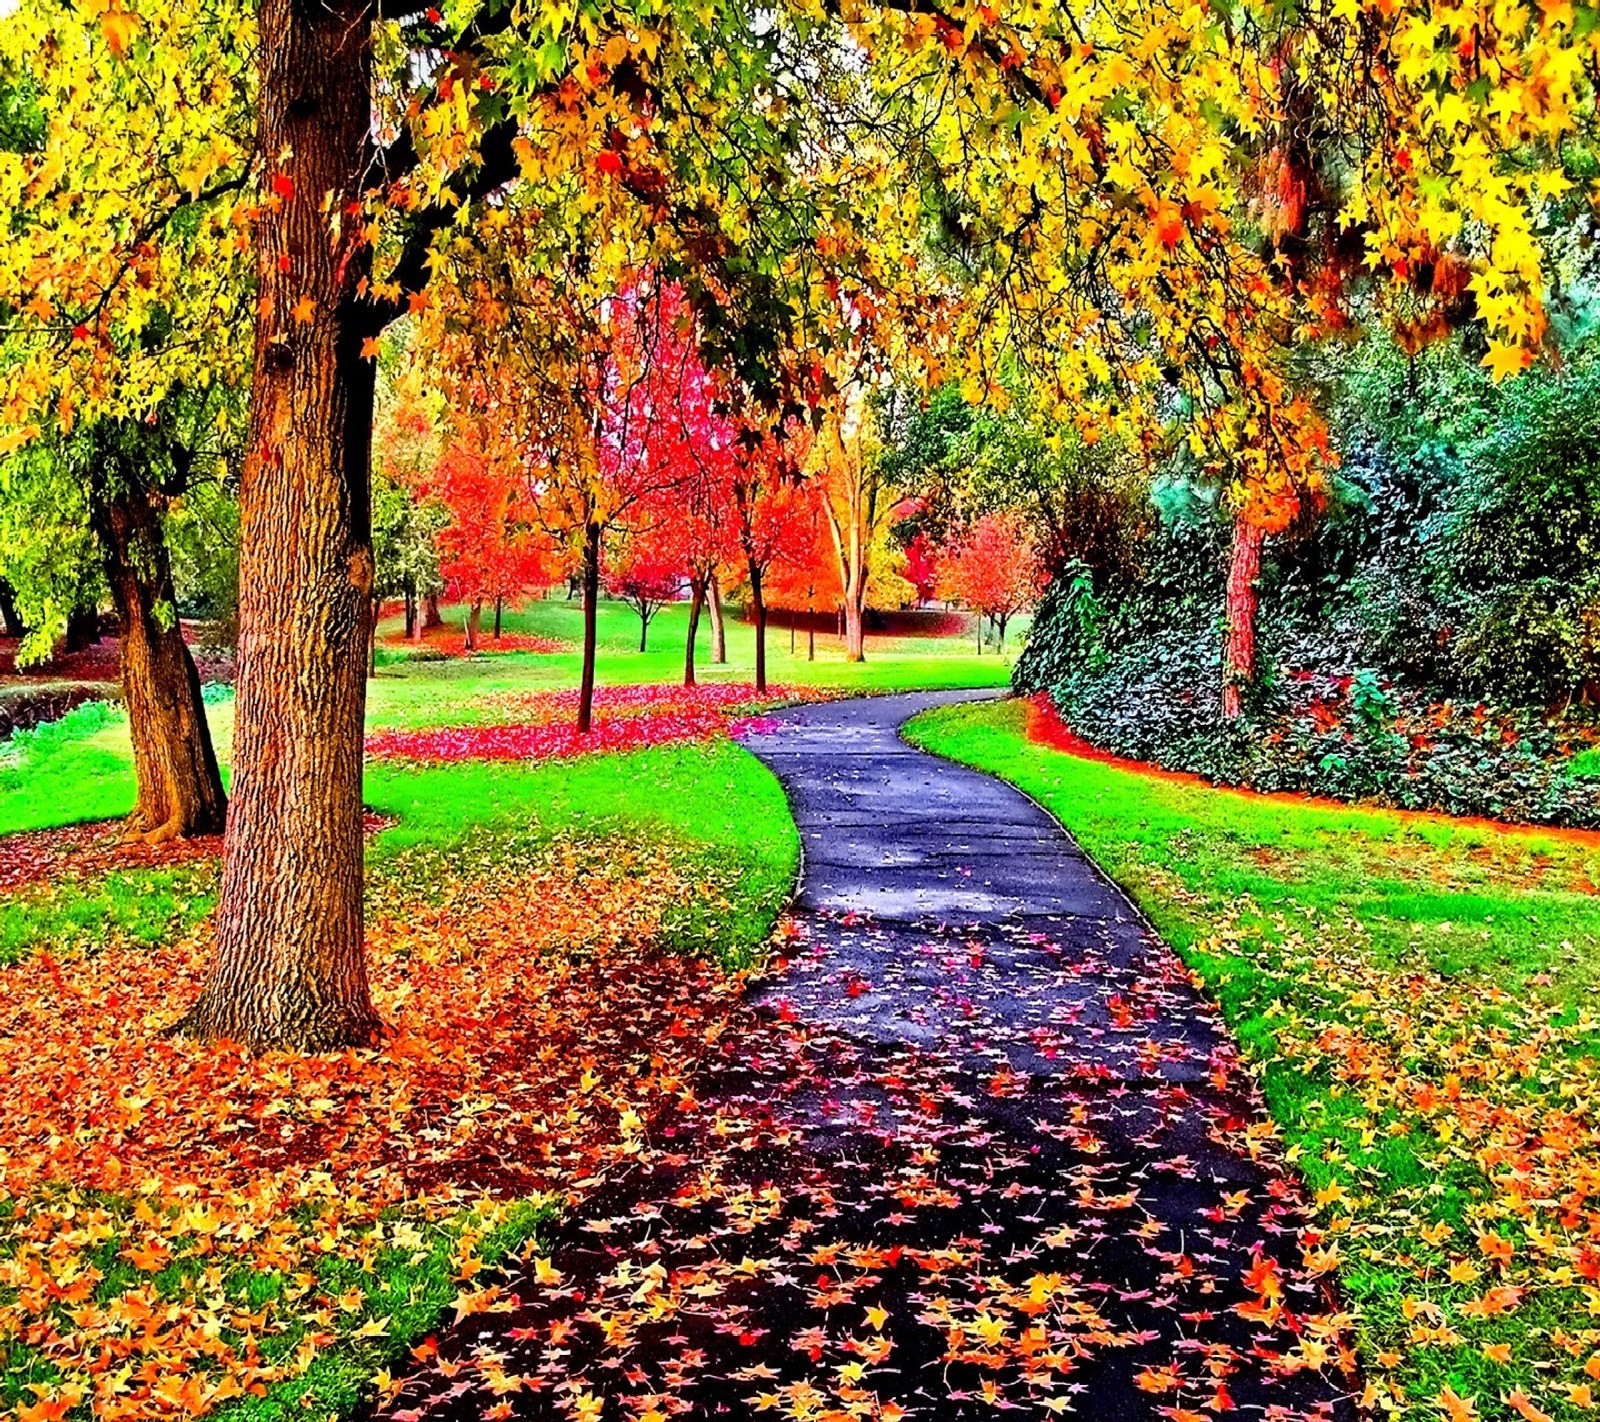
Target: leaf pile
x,y
626,718
187,1223
452,642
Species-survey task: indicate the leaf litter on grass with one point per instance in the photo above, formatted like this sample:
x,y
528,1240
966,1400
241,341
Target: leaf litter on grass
x,y
186,1224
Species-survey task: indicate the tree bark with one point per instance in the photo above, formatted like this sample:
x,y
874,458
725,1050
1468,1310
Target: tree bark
x,y
591,611
644,626
697,597
758,605
431,616
175,764
719,630
1239,660
290,970
499,603
474,623
413,628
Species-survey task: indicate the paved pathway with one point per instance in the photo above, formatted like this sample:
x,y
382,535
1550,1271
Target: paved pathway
x,y
979,1147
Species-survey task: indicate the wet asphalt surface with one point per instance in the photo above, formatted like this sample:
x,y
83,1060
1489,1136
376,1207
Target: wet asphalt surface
x,y
977,1146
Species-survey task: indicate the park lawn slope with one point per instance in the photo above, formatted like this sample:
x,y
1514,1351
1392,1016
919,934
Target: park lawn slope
x,y
1414,995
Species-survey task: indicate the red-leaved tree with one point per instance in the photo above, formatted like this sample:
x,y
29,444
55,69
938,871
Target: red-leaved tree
x,y
993,568
646,572
493,549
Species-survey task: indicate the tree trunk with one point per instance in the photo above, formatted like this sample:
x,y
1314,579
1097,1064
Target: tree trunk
x,y
83,628
290,970
431,616
591,611
10,622
697,597
499,602
644,627
1239,661
1000,632
413,630
474,622
758,605
719,631
855,636
180,786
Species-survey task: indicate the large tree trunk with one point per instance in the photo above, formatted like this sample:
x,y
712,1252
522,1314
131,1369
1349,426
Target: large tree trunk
x,y
758,605
431,616
180,786
290,969
591,612
719,630
697,598
1239,661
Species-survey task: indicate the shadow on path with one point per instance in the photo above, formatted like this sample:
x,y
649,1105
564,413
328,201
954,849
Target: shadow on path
x,y
978,1146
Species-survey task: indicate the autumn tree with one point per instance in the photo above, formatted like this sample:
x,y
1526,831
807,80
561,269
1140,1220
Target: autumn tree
x,y
119,347
805,579
646,574
773,516
994,568
491,547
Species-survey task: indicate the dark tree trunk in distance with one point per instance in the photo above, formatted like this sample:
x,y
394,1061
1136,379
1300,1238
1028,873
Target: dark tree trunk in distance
x,y
759,607
697,597
290,968
499,603
10,622
412,629
591,612
431,616
175,764
83,628
1239,661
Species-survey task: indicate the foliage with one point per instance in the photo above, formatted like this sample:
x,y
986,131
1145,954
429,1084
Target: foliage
x,y
993,568
1410,992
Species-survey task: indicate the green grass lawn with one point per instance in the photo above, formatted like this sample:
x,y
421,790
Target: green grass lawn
x,y
1444,944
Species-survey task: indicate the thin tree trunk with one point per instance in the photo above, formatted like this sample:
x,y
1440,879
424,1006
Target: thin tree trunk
x,y
758,605
474,622
290,968
591,612
719,630
644,627
792,635
1239,660
498,603
697,597
412,630
175,765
